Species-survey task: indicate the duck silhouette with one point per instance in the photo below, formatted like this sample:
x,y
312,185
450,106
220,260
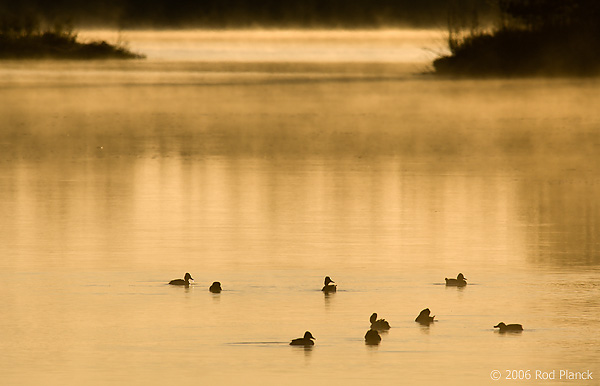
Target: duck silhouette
x,y
460,281
185,281
215,288
304,341
424,317
509,327
372,337
329,285
380,324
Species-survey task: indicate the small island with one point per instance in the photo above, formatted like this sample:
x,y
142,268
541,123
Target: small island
x,y
534,38
23,38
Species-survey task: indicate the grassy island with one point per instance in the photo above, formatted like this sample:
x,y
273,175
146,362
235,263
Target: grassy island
x,y
535,37
24,39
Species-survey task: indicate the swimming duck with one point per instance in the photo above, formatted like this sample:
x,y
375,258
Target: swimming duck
x,y
372,337
424,317
329,287
508,327
460,281
185,281
380,324
305,341
215,288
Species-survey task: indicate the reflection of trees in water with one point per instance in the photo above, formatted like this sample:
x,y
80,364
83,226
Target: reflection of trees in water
x,y
562,217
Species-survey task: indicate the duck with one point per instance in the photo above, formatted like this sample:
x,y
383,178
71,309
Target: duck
x,y
304,341
372,337
380,324
215,288
329,285
424,317
185,281
460,281
509,327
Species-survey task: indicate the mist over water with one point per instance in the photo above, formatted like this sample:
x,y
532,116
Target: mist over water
x,y
268,175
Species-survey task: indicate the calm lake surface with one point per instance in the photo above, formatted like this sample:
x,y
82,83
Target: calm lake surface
x,y
266,161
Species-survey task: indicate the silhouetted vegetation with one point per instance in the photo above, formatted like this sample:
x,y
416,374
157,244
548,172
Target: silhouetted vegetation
x,y
534,37
24,38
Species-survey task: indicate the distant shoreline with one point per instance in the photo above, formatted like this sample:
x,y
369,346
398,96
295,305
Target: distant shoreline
x,y
54,45
513,52
532,38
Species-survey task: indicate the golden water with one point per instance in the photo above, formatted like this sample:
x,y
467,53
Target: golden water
x,y
267,176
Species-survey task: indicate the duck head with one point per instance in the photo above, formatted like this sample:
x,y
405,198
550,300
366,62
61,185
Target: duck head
x,y
461,277
500,325
328,280
188,277
373,317
308,335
